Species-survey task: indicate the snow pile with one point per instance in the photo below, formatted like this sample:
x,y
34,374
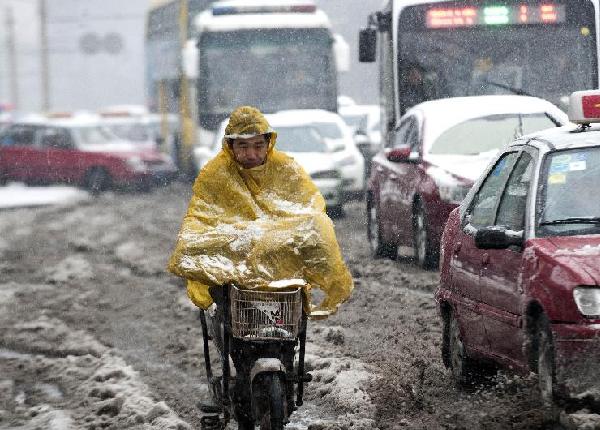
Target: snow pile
x,y
100,389
18,195
340,383
74,267
135,256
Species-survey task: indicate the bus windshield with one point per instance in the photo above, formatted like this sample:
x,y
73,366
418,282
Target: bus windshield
x,y
548,61
273,68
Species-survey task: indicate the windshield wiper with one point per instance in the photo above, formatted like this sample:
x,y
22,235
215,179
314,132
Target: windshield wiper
x,y
573,220
517,91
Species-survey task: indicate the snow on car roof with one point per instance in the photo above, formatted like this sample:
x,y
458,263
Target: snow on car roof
x,y
306,116
568,136
76,121
444,113
205,21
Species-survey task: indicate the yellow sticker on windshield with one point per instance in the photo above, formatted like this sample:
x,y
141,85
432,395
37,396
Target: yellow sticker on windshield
x,y
557,178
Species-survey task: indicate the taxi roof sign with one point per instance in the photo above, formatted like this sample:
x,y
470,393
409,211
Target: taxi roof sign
x,y
584,107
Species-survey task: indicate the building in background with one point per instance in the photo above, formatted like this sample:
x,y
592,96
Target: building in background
x,y
95,52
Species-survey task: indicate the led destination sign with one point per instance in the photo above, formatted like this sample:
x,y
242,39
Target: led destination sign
x,y
470,16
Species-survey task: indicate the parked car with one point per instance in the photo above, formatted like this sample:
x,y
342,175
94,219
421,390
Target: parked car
x,y
520,261
306,145
433,157
147,130
80,151
346,154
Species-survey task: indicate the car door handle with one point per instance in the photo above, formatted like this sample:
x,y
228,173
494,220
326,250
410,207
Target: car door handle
x,y
394,177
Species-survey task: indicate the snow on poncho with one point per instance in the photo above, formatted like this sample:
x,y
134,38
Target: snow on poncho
x,y
255,226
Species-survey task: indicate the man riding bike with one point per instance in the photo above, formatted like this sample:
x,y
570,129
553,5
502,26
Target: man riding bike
x,y
257,220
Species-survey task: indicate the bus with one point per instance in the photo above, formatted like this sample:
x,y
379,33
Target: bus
x,y
273,54
435,49
169,78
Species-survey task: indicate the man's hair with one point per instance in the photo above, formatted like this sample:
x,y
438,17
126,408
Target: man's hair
x,y
266,136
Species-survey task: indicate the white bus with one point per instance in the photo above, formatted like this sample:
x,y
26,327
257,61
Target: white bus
x,y
436,49
273,54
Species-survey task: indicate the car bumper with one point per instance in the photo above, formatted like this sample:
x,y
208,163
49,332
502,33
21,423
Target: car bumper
x,y
353,179
331,189
577,352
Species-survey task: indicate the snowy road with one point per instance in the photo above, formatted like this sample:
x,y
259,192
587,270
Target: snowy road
x,y
94,333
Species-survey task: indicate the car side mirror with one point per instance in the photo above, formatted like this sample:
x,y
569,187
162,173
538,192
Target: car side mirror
x,y
497,237
398,154
367,45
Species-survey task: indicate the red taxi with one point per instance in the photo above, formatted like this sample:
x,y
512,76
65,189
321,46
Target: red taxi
x,y
520,260
79,151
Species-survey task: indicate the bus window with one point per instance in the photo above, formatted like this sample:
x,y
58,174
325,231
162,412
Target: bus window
x,y
483,56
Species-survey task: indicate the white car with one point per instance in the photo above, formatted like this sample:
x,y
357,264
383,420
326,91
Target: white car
x,y
307,146
364,120
347,155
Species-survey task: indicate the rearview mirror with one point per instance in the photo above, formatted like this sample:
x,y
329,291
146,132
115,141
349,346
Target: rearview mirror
x,y
367,45
398,154
497,237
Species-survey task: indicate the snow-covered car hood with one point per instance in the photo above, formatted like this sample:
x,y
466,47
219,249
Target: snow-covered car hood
x,y
578,255
314,162
469,167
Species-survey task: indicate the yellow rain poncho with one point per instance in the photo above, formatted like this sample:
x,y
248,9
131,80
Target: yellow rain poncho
x,y
255,226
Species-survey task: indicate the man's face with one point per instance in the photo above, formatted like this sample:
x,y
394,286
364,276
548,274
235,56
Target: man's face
x,y
251,152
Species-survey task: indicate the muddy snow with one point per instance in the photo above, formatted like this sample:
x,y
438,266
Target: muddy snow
x,y
96,335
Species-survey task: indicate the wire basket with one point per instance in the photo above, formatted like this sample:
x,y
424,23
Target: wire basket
x,y
265,315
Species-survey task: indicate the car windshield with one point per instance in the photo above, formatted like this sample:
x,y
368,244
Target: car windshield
x,y
131,132
329,130
487,133
356,121
93,135
569,203
297,61
299,139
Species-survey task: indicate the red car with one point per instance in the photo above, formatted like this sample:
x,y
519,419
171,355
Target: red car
x,y
431,160
520,261
80,152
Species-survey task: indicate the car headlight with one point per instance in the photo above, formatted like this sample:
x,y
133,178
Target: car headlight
x,y
326,174
348,160
136,164
587,300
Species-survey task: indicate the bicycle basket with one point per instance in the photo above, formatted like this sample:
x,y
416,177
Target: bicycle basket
x,y
265,315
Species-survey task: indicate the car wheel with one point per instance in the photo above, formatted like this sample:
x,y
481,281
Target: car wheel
x,y
425,256
378,247
460,364
97,180
546,368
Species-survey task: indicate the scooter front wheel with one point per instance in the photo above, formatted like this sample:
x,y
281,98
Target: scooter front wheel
x,y
275,418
